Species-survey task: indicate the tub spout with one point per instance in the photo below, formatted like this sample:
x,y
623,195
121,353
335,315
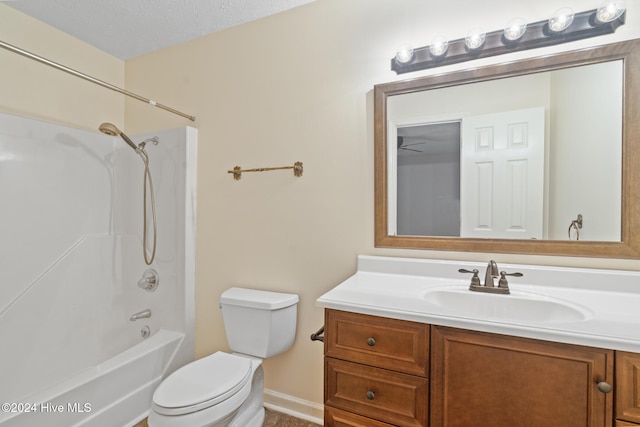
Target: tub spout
x,y
144,314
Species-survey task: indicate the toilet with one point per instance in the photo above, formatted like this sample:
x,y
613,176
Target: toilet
x,y
226,389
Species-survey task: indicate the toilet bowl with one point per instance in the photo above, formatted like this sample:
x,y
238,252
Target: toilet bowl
x,y
227,389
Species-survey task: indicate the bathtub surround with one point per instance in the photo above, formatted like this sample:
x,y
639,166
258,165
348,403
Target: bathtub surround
x,y
71,252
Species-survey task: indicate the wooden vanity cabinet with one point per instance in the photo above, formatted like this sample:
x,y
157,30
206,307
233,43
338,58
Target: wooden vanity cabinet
x,y
376,371
627,389
482,379
382,372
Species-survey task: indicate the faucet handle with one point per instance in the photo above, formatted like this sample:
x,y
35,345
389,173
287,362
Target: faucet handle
x,y
502,283
475,280
149,281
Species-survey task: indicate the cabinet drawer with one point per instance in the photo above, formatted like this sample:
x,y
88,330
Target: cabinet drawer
x,y
386,343
387,396
628,386
336,418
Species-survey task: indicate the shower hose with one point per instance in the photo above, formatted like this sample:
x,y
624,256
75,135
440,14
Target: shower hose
x,y
148,183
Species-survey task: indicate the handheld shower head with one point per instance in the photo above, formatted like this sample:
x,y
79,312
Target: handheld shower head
x,y
111,130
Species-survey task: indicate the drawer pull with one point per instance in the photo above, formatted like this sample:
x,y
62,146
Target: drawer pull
x,y
371,395
604,387
371,341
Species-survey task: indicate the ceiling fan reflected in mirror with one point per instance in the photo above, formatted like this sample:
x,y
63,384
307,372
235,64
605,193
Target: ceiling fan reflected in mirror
x,y
410,144
430,138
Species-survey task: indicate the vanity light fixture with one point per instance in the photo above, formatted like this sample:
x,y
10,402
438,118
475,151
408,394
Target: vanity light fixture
x,y
564,26
475,39
439,46
561,19
404,53
515,29
610,10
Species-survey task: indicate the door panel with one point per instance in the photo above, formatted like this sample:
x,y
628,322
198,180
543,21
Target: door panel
x,y
502,175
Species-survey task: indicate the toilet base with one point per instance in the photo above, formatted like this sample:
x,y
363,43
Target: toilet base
x,y
256,421
249,414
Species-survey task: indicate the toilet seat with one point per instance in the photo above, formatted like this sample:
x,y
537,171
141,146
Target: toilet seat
x,y
202,384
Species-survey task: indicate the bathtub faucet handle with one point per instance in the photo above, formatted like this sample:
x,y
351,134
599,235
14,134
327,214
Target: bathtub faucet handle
x,y
149,281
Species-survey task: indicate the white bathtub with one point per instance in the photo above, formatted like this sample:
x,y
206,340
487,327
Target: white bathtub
x,y
112,394
71,356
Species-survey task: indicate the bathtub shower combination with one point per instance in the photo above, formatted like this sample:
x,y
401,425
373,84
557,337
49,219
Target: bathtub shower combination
x,y
90,323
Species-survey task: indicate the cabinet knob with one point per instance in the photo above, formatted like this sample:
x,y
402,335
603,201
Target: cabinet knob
x,y
371,395
371,341
604,386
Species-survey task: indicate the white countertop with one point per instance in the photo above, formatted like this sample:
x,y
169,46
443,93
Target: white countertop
x,y
607,300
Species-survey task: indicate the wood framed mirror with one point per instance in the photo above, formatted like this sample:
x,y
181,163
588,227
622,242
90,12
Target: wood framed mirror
x,y
615,187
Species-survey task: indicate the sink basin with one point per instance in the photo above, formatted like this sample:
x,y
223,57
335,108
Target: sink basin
x,y
521,307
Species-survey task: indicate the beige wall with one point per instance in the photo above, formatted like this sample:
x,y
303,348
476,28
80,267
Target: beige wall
x,y
29,88
296,86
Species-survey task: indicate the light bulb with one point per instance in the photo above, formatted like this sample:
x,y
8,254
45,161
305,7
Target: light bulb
x,y
610,11
475,38
561,19
439,46
515,29
404,54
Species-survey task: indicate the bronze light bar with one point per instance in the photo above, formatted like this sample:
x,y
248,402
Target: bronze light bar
x,y
537,34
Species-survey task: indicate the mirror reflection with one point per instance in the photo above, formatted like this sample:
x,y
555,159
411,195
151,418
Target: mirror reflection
x,y
513,158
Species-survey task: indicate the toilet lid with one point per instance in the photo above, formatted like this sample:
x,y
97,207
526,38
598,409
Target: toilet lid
x,y
203,383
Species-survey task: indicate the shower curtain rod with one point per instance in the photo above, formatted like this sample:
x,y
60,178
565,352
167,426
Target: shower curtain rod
x,y
91,79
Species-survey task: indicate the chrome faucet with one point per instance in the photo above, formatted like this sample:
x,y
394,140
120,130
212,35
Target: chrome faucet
x,y
144,314
490,274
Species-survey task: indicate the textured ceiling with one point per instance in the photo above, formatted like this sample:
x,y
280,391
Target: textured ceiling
x,y
129,28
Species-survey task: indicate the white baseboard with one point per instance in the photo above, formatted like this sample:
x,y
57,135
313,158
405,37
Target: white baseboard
x,y
299,408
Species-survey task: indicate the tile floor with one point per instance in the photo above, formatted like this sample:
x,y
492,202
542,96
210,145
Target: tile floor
x,y
142,423
271,419
277,419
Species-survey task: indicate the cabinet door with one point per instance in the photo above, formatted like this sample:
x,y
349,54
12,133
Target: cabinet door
x,y
628,386
480,379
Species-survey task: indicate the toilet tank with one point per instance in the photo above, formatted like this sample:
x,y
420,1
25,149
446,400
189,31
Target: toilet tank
x,y
259,323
